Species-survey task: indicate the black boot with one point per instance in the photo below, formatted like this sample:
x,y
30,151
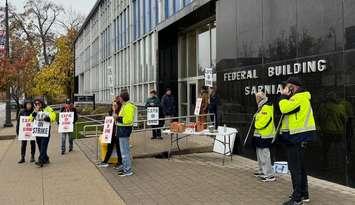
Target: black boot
x,y
39,164
32,158
22,160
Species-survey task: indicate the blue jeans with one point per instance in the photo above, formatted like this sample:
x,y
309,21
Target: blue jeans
x,y
42,143
64,137
123,135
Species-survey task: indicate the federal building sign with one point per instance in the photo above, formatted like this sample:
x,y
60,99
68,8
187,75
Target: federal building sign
x,y
306,67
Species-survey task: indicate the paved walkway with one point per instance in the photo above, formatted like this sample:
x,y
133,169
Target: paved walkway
x,y
200,179
69,179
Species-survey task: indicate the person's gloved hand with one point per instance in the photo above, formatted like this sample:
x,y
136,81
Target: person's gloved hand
x,y
34,115
120,119
47,119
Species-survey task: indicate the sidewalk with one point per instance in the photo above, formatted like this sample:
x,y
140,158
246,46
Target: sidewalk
x,y
8,132
200,179
69,179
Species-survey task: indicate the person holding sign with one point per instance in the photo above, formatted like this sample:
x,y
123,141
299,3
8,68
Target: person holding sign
x,y
115,109
28,109
67,122
42,116
154,102
125,122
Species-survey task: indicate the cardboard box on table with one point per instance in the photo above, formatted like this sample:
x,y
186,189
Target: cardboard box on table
x,y
103,150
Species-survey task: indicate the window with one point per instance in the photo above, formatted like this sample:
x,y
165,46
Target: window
x,y
186,2
147,16
154,13
136,15
177,5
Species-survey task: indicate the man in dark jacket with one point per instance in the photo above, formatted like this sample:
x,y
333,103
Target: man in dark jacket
x,y
154,101
168,105
27,110
68,107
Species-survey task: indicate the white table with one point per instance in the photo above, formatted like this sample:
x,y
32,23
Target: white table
x,y
175,137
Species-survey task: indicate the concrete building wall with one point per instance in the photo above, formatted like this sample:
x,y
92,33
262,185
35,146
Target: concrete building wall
x,y
120,36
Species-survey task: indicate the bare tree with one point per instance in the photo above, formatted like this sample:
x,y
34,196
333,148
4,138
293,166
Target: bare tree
x,y
41,15
71,20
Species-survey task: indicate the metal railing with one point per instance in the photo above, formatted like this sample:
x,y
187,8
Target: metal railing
x,y
143,127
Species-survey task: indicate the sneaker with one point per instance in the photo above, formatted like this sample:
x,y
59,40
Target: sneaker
x,y
123,174
258,174
153,138
32,159
292,202
22,160
268,179
70,149
63,152
306,199
119,168
102,165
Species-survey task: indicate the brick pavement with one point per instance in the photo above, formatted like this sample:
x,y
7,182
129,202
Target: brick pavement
x,y
201,179
68,179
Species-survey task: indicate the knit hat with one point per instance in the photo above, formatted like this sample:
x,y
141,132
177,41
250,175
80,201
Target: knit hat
x,y
261,98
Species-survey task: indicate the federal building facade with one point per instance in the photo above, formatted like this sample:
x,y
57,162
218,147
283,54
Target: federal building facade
x,y
251,45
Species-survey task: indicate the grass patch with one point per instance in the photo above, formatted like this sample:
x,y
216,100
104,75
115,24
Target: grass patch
x,y
79,128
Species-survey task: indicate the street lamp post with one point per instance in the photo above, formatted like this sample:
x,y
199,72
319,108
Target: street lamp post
x,y
8,108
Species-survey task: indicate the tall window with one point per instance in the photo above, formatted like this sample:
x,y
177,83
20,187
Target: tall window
x,y
136,15
177,5
147,16
154,12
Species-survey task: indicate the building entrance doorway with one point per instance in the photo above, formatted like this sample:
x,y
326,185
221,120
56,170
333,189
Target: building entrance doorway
x,y
196,51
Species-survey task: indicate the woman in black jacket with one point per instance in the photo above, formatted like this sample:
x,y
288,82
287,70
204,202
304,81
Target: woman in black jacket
x,y
27,110
115,109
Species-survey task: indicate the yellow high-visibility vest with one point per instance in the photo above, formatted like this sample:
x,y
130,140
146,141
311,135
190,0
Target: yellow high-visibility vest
x,y
127,112
264,122
299,113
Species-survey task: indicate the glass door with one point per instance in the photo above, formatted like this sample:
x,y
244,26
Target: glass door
x,y
192,94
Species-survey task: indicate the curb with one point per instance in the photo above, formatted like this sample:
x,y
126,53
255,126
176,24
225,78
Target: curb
x,y
164,154
7,137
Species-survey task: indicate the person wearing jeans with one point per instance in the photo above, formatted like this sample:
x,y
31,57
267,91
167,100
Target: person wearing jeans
x,y
68,107
125,120
116,107
44,113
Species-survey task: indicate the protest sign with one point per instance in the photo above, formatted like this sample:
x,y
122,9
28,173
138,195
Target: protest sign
x,y
25,129
198,106
40,128
208,77
153,116
66,122
108,130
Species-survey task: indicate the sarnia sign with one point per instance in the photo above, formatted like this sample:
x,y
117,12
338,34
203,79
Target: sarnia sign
x,y
305,67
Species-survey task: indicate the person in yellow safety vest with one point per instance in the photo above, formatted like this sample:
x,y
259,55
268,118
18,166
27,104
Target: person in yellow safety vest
x,y
43,113
263,135
295,104
125,121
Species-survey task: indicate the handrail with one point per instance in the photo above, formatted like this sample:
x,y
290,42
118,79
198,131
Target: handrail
x,y
145,123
